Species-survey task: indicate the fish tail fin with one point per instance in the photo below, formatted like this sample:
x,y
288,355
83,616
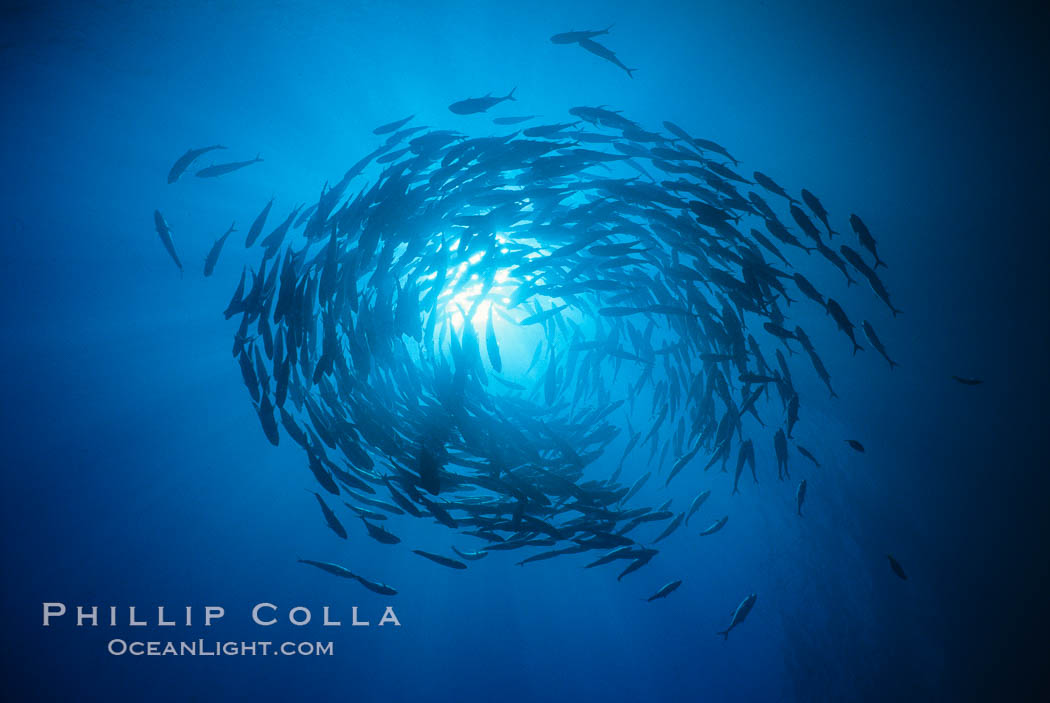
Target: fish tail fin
x,y
879,262
857,348
630,72
849,281
510,95
724,633
606,30
258,156
892,364
833,394
895,311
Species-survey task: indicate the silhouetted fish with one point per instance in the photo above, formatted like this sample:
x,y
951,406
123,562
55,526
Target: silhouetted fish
x,y
184,161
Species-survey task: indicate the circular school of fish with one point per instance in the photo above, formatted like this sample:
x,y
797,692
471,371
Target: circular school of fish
x,y
461,326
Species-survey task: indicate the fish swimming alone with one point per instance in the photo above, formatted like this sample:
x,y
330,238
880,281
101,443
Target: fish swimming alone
x,y
574,37
665,591
697,502
855,445
715,526
897,568
343,572
604,53
740,614
164,231
806,453
472,106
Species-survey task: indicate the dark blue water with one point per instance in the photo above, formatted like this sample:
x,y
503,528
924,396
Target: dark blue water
x,y
136,472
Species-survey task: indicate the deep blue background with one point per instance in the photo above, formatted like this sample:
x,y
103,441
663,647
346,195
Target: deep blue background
x,y
135,472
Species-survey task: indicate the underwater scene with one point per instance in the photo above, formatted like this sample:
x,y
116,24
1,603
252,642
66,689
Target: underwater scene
x,y
482,351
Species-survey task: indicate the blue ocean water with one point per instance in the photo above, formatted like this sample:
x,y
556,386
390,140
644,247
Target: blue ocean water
x,y
137,474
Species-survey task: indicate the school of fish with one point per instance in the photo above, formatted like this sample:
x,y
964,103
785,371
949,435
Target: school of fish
x,y
648,275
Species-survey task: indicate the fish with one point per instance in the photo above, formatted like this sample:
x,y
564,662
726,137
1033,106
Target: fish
x,y
745,455
392,126
380,534
808,289
780,449
866,240
869,332
636,486
671,527
800,496
471,556
855,445
638,563
839,316
513,120
665,591
164,231
740,614
715,526
492,345
184,161
223,169
343,572
330,518
213,254
627,551
603,52
376,587
968,381
771,185
575,37
695,505
897,568
257,225
806,453
265,413
472,106
814,205
331,568
438,559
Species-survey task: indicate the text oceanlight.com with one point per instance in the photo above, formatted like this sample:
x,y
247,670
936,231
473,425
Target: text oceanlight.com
x,y
203,648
